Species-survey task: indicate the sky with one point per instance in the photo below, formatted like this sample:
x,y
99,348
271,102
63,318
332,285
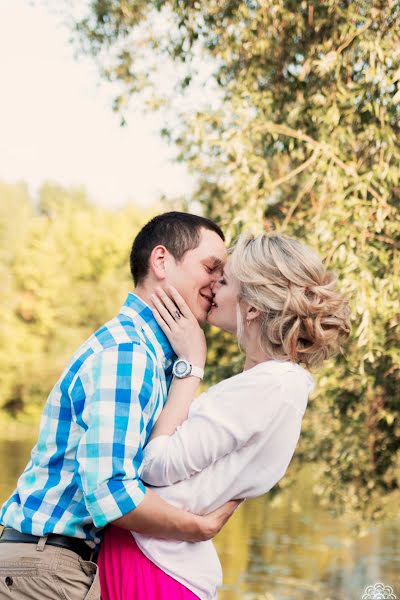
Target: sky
x,y
57,123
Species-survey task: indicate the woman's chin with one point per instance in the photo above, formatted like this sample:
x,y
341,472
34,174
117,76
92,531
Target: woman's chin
x,y
212,317
209,318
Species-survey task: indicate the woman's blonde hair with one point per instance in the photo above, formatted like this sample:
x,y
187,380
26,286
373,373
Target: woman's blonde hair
x,y
304,318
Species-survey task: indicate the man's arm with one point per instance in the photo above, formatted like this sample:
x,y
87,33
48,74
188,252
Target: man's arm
x,y
157,518
108,398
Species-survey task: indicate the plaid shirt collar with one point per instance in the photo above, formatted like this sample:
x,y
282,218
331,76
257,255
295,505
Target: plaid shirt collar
x,y
141,314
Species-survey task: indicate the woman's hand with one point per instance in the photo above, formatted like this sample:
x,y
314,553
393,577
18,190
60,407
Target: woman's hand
x,y
179,325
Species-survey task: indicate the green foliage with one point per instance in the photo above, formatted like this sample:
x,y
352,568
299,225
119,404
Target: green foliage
x,y
65,271
302,137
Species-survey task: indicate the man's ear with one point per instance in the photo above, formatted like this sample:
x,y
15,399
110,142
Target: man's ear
x,y
157,262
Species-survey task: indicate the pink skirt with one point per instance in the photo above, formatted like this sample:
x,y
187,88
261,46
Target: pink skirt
x,y
127,574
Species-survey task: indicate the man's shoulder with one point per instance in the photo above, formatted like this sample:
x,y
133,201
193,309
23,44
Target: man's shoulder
x,y
115,337
119,330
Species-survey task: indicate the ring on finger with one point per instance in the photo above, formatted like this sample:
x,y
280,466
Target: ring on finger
x,y
177,314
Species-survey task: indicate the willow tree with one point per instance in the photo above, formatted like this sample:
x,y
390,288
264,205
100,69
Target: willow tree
x,y
288,113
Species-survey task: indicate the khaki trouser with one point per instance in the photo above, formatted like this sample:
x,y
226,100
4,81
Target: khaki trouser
x,y
43,572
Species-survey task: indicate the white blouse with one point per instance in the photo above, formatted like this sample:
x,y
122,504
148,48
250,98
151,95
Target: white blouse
x,y
237,442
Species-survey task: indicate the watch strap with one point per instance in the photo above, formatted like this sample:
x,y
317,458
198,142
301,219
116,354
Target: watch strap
x,y
197,372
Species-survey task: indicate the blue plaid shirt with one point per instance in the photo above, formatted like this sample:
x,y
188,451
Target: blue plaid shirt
x,y
85,469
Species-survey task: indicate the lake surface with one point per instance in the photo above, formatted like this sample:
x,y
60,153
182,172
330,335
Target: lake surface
x,y
289,549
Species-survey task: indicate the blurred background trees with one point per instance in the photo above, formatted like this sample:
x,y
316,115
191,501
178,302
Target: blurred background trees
x,y
65,271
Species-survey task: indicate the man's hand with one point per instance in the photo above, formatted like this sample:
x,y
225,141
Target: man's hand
x,y
157,518
211,524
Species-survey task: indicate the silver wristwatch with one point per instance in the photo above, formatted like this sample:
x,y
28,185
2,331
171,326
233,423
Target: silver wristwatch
x,y
183,368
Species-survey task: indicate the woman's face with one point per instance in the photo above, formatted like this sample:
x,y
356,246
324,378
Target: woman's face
x,y
223,311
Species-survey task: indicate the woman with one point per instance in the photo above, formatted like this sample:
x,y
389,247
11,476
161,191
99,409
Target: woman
x,y
237,439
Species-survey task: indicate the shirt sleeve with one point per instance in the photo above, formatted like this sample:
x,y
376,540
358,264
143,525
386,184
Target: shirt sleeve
x,y
221,421
115,386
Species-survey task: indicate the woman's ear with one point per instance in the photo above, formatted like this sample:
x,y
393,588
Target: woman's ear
x,y
252,313
157,262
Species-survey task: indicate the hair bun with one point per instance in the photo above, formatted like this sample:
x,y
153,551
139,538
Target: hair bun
x,y
305,317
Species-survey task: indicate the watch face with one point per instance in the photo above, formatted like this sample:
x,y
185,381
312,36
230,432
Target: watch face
x,y
181,368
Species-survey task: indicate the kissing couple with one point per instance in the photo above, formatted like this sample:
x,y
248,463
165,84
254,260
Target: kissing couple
x,y
132,475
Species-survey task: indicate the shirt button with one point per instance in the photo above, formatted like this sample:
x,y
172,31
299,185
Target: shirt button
x,y
9,581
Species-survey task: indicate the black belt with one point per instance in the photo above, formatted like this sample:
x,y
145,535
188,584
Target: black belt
x,y
61,541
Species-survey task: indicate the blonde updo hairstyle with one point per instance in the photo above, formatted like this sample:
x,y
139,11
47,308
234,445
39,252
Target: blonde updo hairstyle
x,y
304,318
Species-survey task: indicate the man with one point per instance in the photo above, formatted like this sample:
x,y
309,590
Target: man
x,y
84,471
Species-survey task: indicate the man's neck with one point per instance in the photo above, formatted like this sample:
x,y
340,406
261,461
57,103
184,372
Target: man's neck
x,y
144,292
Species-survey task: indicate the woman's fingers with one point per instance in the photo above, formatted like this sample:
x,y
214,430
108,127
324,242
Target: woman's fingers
x,y
164,313
180,302
168,303
179,325
166,329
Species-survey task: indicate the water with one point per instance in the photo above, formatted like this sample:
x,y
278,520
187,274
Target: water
x,y
289,549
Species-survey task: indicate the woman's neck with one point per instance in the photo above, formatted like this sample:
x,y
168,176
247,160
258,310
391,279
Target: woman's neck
x,y
251,362
254,354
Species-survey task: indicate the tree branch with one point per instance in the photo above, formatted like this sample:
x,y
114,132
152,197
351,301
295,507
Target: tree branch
x,y
300,135
306,189
320,147
352,37
296,171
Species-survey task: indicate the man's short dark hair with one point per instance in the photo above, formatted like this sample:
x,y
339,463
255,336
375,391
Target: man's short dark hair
x,y
177,231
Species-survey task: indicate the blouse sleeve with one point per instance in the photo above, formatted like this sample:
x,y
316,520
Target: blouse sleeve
x,y
219,422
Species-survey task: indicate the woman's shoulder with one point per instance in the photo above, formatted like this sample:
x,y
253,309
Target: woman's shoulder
x,y
286,368
259,375
280,382
276,382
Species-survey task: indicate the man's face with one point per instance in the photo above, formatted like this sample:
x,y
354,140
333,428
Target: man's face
x,y
195,275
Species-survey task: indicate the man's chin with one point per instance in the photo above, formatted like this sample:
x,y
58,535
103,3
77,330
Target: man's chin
x,y
200,315
202,320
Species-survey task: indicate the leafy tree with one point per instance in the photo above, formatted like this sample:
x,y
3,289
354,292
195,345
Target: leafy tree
x,y
66,268
15,215
296,129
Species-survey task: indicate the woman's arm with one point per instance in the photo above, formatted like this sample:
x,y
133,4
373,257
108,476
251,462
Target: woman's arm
x,y
169,459
197,443
180,396
188,341
223,421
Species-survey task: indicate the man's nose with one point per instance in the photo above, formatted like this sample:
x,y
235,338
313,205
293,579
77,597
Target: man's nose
x,y
216,276
213,284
